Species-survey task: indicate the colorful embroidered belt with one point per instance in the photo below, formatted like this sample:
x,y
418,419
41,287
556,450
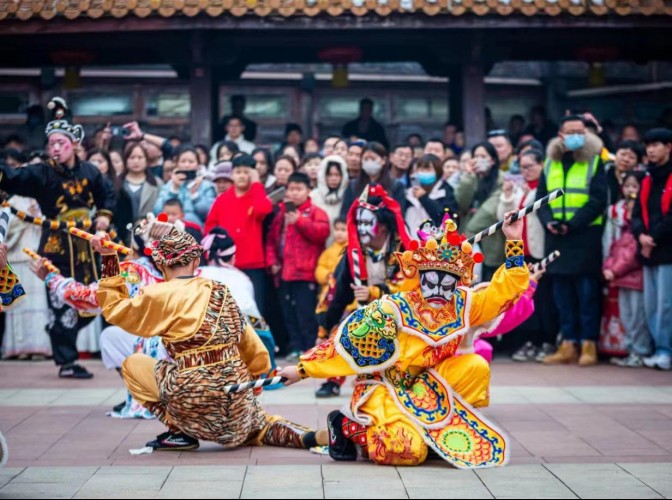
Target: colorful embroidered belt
x,y
206,356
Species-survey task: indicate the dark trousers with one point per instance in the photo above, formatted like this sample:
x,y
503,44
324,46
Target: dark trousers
x,y
64,325
579,301
544,324
299,299
258,278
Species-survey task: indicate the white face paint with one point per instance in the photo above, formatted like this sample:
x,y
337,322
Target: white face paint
x,y
367,225
437,287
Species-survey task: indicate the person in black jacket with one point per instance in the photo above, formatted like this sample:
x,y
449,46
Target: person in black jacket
x,y
652,226
67,189
365,126
574,226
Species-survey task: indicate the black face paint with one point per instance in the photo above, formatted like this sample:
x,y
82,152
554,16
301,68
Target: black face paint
x,y
437,287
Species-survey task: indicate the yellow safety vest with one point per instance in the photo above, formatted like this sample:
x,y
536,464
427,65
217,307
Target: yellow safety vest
x,y
576,186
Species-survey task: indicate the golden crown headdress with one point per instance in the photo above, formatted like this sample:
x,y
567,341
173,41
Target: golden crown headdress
x,y
440,249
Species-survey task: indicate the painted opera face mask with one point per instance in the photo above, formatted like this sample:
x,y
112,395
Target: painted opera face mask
x,y
367,226
437,287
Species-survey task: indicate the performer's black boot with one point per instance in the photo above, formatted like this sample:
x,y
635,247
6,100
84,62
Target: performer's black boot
x,y
173,441
341,448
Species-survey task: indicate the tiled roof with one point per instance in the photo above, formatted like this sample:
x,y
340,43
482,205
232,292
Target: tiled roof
x,y
73,9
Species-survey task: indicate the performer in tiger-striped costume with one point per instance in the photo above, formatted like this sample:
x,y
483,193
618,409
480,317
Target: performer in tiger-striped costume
x,y
204,331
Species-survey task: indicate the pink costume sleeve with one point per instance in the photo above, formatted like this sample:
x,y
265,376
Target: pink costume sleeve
x,y
516,315
80,297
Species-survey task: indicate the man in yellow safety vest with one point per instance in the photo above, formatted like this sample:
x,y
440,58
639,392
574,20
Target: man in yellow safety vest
x,y
574,225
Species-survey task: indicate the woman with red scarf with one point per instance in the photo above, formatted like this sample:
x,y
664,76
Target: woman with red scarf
x,y
537,336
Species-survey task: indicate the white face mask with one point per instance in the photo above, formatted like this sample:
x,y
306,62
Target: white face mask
x,y
372,167
482,165
437,288
367,226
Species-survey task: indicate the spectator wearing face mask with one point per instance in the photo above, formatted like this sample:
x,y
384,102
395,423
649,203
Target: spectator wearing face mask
x,y
574,226
375,170
429,196
477,196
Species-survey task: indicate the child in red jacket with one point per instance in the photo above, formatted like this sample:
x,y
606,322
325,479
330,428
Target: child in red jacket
x,y
623,270
294,244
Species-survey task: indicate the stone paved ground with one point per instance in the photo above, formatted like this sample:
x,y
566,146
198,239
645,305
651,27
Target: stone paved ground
x,y
600,432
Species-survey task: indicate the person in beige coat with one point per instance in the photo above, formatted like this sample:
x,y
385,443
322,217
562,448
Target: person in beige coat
x,y
477,196
535,339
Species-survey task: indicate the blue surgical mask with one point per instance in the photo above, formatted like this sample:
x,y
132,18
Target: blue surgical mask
x,y
426,178
574,141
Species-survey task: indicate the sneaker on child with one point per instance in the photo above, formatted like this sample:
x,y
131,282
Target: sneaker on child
x,y
528,352
545,351
631,361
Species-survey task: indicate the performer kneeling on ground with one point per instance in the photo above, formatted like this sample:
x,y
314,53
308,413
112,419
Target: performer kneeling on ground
x,y
205,333
412,390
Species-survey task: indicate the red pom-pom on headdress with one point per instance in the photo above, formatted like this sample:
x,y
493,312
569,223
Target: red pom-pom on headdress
x,y
148,252
454,239
414,245
478,258
162,217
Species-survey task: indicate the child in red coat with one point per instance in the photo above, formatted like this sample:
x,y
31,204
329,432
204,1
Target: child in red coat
x,y
623,270
294,244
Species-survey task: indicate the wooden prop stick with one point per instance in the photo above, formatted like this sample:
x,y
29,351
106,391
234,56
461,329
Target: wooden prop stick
x,y
106,243
546,261
264,382
52,268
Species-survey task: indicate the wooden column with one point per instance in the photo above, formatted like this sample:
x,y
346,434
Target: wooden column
x,y
456,96
203,94
472,82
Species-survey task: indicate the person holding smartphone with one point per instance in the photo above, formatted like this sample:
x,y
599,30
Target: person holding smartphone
x,y
195,193
293,246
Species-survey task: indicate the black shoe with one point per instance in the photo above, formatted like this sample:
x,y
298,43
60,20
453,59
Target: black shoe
x,y
328,390
160,437
169,441
119,407
74,371
341,448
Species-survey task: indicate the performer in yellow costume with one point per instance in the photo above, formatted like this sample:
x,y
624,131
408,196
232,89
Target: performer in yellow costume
x,y
413,390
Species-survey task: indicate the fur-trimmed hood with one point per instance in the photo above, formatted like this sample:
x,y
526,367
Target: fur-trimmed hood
x,y
592,148
332,197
